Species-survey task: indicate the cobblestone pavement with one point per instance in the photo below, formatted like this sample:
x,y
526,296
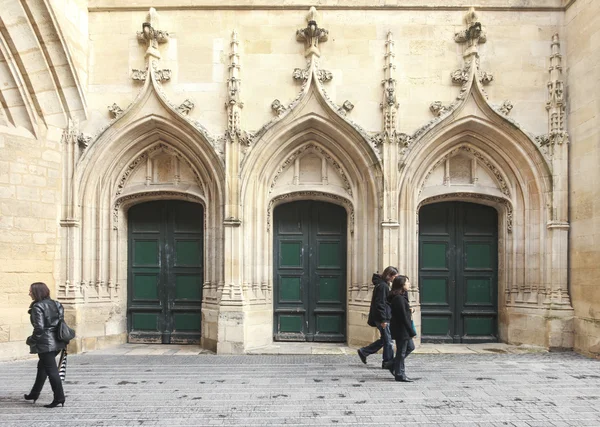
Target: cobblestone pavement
x,y
538,389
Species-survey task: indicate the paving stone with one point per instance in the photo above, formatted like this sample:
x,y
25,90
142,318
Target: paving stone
x,y
159,388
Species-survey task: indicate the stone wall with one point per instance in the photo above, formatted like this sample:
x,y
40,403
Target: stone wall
x,y
425,51
30,188
583,88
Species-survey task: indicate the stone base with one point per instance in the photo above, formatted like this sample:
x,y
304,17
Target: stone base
x,y
551,328
587,337
231,330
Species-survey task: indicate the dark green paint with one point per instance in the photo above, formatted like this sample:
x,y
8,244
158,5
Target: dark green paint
x,y
458,272
165,272
310,272
145,286
434,291
290,289
145,321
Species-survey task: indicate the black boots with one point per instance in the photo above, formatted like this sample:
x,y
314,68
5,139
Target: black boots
x,y
30,397
55,403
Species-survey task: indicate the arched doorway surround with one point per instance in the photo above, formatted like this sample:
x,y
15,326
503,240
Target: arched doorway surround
x,y
313,157
477,160
153,157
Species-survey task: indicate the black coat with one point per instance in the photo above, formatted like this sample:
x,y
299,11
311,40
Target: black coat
x,y
401,325
44,316
380,311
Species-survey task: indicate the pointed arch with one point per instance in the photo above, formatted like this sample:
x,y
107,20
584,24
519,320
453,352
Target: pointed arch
x,y
524,257
359,189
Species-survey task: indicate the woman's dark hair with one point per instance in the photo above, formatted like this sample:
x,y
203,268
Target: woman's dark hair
x,y
388,273
39,291
398,286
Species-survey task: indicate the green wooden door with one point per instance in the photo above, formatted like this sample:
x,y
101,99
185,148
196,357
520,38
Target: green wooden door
x,y
310,272
165,272
458,272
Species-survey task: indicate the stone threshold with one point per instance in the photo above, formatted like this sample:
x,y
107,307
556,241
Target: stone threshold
x,y
308,348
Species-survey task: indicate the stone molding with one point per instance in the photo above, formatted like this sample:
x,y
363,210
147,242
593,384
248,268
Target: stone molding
x,y
314,148
476,154
472,196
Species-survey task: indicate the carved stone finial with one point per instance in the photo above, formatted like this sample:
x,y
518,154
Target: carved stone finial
x,y
152,36
312,34
557,133
234,82
115,110
472,36
389,103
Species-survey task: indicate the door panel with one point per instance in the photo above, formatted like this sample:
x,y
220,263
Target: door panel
x,y
310,263
165,272
458,272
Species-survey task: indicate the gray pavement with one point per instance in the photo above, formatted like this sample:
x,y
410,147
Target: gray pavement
x,y
118,388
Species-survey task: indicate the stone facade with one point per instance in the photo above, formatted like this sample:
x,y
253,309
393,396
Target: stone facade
x,y
380,110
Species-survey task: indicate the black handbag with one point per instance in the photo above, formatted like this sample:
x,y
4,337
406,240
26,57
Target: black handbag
x,y
63,332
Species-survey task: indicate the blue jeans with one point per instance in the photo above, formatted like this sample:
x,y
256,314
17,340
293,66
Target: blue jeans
x,y
385,341
403,349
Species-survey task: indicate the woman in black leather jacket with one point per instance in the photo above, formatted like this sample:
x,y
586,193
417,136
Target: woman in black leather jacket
x,y
45,314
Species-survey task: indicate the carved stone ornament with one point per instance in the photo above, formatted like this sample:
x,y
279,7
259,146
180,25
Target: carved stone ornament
x,y
186,107
500,180
162,75
326,156
506,107
301,74
278,107
437,108
312,195
139,75
473,196
324,75
312,34
83,140
115,110
151,36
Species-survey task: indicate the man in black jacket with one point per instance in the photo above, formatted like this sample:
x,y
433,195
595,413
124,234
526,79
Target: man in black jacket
x,y
379,317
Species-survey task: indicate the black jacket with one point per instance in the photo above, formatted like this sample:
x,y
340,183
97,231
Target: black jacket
x,y
44,316
401,325
380,311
